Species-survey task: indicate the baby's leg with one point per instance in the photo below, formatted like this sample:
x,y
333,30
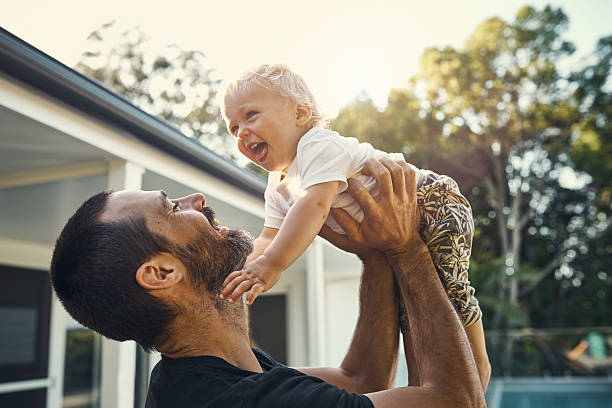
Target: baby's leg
x,y
447,228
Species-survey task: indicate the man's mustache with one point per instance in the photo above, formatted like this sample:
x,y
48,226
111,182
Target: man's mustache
x,y
209,213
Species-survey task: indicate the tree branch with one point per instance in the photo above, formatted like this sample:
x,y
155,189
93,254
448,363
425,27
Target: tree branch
x,y
548,269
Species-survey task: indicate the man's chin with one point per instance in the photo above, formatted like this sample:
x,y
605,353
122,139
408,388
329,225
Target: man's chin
x,y
211,257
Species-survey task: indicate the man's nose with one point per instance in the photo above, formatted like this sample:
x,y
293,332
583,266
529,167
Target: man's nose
x,y
194,201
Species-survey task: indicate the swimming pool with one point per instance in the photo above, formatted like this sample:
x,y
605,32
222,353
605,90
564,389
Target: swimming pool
x,y
550,392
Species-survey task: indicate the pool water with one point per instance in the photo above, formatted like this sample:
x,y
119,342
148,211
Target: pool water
x,y
548,393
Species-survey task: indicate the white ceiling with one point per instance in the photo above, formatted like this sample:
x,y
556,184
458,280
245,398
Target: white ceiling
x,y
36,212
28,145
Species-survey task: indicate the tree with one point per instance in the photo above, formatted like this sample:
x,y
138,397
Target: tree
x,y
172,84
500,117
592,146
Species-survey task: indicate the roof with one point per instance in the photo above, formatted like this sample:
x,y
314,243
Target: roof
x,y
28,64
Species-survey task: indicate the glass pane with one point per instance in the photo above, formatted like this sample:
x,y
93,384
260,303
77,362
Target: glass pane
x,y
25,297
268,326
30,398
18,335
82,369
141,380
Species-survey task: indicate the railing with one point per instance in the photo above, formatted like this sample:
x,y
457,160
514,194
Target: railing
x,y
551,352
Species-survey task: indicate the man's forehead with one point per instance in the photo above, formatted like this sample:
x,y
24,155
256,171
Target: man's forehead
x,y
133,202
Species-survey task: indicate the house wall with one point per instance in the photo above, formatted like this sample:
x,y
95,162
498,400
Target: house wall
x,y
55,157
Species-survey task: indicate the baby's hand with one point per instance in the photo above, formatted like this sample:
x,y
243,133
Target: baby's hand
x,y
256,277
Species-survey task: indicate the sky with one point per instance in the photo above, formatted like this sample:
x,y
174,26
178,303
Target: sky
x,y
341,48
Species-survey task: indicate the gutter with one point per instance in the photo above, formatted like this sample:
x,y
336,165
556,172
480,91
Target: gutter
x,y
28,64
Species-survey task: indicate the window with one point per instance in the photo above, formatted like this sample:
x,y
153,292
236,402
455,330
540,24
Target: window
x,y
25,299
29,398
81,367
268,317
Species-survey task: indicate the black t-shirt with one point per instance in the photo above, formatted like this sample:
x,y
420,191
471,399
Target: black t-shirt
x,y
208,381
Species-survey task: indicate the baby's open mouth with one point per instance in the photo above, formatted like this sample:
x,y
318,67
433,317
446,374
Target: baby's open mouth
x,y
259,151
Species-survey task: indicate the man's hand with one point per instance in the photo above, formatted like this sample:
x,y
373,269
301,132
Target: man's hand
x,y
448,373
391,221
344,243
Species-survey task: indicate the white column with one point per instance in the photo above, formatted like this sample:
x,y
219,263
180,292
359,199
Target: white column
x,y
124,175
315,301
154,358
119,359
57,351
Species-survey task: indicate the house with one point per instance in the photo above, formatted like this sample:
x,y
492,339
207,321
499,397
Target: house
x,y
64,137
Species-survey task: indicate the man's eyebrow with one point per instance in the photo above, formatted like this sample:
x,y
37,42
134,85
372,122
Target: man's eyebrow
x,y
162,199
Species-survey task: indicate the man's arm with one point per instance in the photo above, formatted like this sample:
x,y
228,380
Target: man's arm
x,y
370,362
475,335
411,362
446,366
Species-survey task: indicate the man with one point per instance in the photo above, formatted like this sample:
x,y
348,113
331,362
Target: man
x,y
137,265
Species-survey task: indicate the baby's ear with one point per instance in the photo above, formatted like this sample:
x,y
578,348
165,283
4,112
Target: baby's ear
x,y
303,114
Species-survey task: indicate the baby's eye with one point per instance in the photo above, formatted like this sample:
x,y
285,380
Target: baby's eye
x,y
250,114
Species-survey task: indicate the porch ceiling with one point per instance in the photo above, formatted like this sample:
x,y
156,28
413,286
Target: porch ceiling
x,y
37,209
26,144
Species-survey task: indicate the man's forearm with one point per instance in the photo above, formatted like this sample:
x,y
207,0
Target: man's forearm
x,y
441,347
373,351
370,362
475,335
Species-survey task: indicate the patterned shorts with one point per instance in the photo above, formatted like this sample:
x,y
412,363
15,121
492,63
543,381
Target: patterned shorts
x,y
447,228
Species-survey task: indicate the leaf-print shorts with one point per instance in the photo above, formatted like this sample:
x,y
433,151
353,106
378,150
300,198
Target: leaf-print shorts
x,y
447,229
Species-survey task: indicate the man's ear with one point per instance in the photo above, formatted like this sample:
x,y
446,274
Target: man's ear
x,y
160,272
303,114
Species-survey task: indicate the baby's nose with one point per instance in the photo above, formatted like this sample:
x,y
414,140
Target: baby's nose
x,y
243,133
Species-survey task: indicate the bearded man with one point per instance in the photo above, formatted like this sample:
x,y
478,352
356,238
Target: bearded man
x,y
137,265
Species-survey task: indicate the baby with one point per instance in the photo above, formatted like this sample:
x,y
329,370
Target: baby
x,y
278,126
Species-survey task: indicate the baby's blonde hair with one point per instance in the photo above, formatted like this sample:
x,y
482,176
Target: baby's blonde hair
x,y
282,80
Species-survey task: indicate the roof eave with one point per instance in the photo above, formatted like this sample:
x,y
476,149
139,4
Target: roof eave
x,y
26,63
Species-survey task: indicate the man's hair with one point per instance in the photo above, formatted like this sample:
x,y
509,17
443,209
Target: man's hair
x,y
281,80
93,272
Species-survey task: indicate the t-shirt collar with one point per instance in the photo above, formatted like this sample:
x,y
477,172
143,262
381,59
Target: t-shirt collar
x,y
291,172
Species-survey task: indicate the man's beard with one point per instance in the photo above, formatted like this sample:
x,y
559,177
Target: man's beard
x,y
210,257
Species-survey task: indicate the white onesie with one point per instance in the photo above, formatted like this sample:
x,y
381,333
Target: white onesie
x,y
446,225
322,155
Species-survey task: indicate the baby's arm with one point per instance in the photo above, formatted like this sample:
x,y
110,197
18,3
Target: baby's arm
x,y
262,242
301,225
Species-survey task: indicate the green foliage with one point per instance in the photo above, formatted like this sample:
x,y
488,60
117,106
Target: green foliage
x,y
530,147
592,145
258,170
363,120
173,84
